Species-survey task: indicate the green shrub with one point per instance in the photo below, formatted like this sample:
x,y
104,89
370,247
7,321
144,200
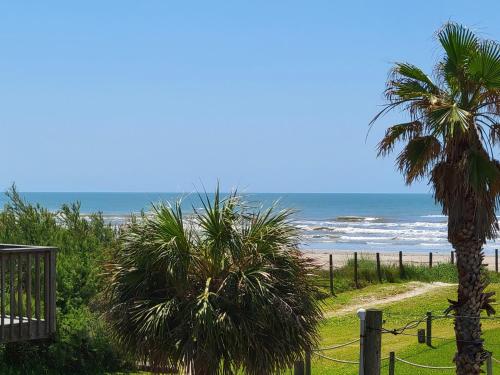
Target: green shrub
x,y
82,345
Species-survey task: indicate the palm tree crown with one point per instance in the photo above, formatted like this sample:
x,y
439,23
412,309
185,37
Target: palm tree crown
x,y
454,125
223,290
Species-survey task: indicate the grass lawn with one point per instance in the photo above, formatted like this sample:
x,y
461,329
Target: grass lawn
x,y
345,327
340,329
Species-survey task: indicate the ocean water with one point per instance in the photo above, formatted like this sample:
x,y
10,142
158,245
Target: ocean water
x,y
330,221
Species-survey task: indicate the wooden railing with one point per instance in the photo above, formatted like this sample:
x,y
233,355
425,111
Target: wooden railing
x,y
27,293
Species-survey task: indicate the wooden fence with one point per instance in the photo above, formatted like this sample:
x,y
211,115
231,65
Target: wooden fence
x,y
400,262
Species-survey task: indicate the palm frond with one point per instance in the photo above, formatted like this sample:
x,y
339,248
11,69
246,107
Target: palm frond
x,y
459,44
414,73
397,133
484,65
417,158
446,120
483,173
407,89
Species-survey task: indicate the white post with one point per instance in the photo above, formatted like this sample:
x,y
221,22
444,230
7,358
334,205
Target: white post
x,y
362,315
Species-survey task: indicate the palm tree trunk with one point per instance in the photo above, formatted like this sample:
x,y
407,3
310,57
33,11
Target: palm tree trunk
x,y
470,353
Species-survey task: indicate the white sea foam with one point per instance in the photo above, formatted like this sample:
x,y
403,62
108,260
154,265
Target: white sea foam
x,y
374,232
365,238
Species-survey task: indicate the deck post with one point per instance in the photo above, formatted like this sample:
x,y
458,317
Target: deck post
x,y
46,294
52,299
12,297
37,293
28,292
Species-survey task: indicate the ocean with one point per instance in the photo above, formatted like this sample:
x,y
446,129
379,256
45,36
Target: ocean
x,y
330,221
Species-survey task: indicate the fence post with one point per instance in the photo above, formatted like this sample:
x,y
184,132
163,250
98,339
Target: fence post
x,y
421,336
331,275
401,269
452,257
496,260
356,269
308,363
379,273
489,364
428,334
430,259
370,341
392,363
298,367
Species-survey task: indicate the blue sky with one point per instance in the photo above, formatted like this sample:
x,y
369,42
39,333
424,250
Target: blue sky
x,y
270,96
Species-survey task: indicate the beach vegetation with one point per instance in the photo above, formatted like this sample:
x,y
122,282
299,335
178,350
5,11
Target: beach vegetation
x,y
224,291
82,344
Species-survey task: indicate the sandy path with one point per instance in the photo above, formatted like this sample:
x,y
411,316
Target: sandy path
x,y
417,289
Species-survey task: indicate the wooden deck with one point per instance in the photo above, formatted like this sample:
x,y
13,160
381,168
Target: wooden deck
x,y
27,292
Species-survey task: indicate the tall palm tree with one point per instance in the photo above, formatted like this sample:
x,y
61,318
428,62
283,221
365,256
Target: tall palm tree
x,y
220,291
453,128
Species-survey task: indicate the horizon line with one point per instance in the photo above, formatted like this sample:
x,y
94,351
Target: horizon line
x,y
210,192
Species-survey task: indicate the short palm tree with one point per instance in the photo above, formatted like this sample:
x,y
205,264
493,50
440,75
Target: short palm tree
x,y
454,125
220,291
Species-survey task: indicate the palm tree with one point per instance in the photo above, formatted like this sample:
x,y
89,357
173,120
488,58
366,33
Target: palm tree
x,y
221,291
454,125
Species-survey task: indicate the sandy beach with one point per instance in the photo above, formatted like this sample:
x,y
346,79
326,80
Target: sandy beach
x,y
341,257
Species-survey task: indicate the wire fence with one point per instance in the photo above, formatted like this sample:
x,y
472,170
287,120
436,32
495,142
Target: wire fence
x,y
424,366
338,346
346,270
406,330
336,360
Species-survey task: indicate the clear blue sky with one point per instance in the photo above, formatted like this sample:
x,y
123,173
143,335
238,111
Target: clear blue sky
x,y
270,96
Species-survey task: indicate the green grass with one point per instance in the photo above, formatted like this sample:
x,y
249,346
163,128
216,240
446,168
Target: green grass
x,y
344,328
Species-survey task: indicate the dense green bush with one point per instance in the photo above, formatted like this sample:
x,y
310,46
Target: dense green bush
x,y
82,344
227,292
